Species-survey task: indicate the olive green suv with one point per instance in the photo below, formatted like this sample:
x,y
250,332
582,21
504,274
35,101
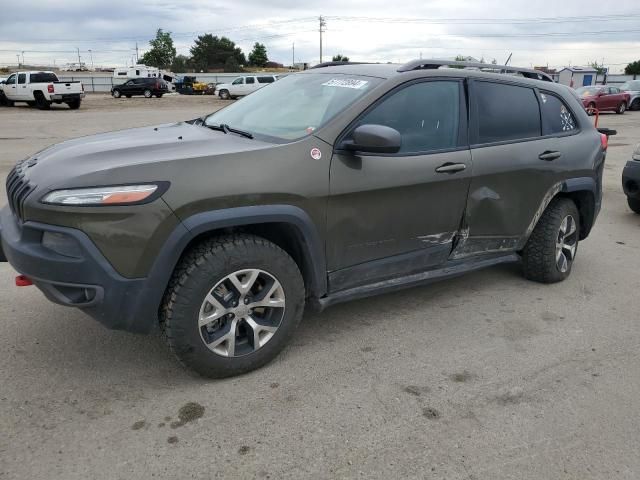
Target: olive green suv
x,y
336,183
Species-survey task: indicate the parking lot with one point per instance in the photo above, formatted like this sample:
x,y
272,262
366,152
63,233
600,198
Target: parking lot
x,y
487,376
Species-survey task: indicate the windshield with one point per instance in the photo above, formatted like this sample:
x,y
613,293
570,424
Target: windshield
x,y
587,91
294,106
633,85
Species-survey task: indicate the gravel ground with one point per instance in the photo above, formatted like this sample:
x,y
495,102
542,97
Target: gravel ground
x,y
486,376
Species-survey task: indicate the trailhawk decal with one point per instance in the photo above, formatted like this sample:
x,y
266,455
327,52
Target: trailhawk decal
x,y
346,83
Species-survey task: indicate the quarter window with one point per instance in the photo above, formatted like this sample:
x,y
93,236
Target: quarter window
x,y
506,112
557,117
426,114
265,79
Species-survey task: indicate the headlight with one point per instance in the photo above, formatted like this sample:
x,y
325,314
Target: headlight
x,y
96,196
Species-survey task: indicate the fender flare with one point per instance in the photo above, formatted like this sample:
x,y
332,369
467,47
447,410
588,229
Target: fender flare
x,y
175,245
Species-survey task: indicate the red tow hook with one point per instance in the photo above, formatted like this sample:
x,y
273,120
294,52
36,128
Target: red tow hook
x,y
23,281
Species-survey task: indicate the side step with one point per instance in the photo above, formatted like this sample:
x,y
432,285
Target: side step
x,y
451,269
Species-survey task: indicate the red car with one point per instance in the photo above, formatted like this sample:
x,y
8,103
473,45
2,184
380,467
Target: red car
x,y
603,98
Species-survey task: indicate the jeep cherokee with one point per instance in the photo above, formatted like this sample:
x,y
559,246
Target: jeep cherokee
x,y
332,184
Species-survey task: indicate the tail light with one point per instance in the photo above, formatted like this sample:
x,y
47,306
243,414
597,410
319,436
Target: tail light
x,y
604,141
50,88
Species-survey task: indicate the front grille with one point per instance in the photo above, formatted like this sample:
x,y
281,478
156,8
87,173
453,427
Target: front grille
x,y
18,189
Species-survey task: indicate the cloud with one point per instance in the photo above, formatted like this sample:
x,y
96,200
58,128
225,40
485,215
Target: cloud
x,y
112,30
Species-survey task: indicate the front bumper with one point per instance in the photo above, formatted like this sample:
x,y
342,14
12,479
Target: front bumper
x,y
86,280
631,179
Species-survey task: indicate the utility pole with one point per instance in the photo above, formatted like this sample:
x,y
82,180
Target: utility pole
x,y
23,57
18,55
137,58
293,54
91,55
78,55
323,24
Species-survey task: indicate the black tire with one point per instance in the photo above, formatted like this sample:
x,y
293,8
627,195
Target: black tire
x,y
203,268
621,108
4,101
634,204
159,95
41,102
116,94
128,96
147,93
591,109
74,104
635,105
224,94
539,259
31,104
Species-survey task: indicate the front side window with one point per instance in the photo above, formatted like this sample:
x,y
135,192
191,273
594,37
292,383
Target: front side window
x,y
238,81
615,90
506,112
295,106
22,78
11,79
557,116
426,114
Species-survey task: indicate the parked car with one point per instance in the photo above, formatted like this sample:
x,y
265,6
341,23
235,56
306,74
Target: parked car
x,y
631,180
603,98
244,85
148,87
40,89
332,184
632,87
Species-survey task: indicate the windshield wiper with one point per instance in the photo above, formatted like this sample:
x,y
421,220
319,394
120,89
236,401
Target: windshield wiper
x,y
223,127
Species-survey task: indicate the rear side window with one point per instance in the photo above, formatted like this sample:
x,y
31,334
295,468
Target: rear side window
x,y
557,118
265,79
251,80
43,77
506,112
426,114
22,78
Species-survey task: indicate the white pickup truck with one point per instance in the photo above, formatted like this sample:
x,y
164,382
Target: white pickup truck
x,y
40,89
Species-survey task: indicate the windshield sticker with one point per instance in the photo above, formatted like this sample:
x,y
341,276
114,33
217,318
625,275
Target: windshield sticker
x,y
346,83
316,154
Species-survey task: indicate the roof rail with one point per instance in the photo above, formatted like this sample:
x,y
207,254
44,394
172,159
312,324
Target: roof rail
x,y
336,64
485,67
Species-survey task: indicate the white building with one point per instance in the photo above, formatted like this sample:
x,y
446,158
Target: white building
x,y
577,76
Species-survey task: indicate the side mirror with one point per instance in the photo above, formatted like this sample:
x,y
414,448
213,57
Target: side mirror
x,y
374,139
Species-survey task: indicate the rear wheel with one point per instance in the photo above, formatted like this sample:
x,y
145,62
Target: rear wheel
x,y
74,104
635,105
551,249
621,108
41,102
148,93
232,305
116,94
224,94
159,95
634,204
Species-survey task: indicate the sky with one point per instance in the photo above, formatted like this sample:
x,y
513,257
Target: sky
x,y
541,32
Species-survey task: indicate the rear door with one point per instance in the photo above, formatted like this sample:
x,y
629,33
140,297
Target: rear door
x,y
250,85
513,166
394,214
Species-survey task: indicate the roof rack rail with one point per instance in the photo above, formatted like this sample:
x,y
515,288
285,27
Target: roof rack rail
x,y
336,64
435,64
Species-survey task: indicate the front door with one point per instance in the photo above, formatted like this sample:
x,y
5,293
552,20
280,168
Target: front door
x,y
397,214
10,87
22,90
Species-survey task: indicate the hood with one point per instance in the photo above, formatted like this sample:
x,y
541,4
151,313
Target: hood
x,y
86,156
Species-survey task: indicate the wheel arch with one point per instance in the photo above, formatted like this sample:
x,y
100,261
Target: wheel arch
x,y
583,191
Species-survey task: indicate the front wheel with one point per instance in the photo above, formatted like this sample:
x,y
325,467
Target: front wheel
x,y
232,305
148,94
116,94
621,108
551,249
634,204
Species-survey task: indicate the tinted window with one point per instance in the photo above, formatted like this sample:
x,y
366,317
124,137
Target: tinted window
x,y
12,78
122,73
251,80
506,112
22,78
43,77
557,117
265,79
426,114
238,81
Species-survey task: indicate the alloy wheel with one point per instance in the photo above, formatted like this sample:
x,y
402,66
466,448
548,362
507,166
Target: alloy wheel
x,y
241,313
566,244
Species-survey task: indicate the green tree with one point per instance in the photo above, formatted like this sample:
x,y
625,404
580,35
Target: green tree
x,y
210,51
599,68
162,51
181,64
633,68
231,65
258,56
340,58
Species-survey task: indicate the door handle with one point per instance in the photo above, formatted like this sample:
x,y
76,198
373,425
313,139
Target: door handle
x,y
451,167
549,156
